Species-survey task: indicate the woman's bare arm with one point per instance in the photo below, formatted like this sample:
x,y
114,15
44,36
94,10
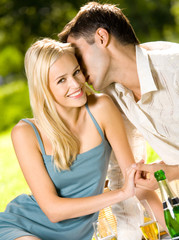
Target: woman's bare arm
x,y
56,208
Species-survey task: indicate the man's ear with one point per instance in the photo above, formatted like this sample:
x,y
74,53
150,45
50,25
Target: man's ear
x,y
102,37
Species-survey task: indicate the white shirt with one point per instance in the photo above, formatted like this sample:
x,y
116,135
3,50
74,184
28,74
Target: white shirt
x,y
156,115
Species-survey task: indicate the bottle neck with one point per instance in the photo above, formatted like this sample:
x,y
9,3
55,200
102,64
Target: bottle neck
x,y
165,190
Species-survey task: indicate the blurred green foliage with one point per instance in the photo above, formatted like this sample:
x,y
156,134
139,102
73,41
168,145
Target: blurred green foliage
x,y
14,103
11,60
152,20
22,22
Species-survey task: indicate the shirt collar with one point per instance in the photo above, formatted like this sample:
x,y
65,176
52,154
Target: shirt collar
x,y
146,80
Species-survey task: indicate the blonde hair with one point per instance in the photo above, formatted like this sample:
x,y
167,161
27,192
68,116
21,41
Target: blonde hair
x,y
38,59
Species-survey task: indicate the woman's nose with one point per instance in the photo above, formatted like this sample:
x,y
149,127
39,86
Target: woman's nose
x,y
74,82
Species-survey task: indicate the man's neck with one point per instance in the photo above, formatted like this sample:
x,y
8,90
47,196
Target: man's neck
x,y
125,68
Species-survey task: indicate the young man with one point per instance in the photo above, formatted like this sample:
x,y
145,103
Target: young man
x,y
142,79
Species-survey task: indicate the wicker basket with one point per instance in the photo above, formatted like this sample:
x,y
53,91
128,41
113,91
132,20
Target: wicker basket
x,y
107,213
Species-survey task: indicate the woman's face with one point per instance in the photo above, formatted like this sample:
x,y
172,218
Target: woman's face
x,y
67,82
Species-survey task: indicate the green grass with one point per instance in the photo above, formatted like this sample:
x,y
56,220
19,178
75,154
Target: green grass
x,y
12,182
14,105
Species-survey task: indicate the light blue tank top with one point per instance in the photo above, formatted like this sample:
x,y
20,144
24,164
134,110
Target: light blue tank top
x,y
86,177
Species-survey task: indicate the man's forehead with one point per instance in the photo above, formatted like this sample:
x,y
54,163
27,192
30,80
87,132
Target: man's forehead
x,y
77,42
79,47
72,40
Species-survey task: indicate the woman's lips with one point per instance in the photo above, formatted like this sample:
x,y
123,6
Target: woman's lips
x,y
76,94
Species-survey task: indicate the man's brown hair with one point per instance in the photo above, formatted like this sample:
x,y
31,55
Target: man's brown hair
x,y
94,15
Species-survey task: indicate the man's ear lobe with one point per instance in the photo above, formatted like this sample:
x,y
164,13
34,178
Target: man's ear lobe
x,y
102,36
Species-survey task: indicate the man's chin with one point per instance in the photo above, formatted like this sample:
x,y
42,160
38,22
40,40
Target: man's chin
x,y
98,88
95,86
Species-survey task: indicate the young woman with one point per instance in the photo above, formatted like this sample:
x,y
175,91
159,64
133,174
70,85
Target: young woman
x,y
64,151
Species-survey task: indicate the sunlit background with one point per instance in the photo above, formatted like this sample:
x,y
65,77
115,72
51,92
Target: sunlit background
x,y
24,21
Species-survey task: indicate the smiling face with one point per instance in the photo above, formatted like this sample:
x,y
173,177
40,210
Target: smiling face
x,y
67,82
95,62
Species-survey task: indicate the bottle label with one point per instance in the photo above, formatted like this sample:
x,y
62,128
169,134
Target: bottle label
x,y
175,238
174,202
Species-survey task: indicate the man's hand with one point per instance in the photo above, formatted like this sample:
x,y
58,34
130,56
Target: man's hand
x,y
145,174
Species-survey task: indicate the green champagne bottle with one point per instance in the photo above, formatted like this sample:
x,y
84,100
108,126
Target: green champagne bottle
x,y
170,205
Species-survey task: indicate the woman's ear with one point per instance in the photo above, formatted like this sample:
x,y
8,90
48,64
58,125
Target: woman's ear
x,y
102,37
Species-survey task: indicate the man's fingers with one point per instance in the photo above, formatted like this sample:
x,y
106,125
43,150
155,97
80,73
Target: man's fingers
x,y
145,167
142,187
153,167
138,175
149,183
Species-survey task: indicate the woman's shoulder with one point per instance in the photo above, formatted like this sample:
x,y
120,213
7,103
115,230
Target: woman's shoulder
x,y
22,128
102,107
100,101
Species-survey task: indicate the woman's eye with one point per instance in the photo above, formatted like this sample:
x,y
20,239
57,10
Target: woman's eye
x,y
77,71
61,80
